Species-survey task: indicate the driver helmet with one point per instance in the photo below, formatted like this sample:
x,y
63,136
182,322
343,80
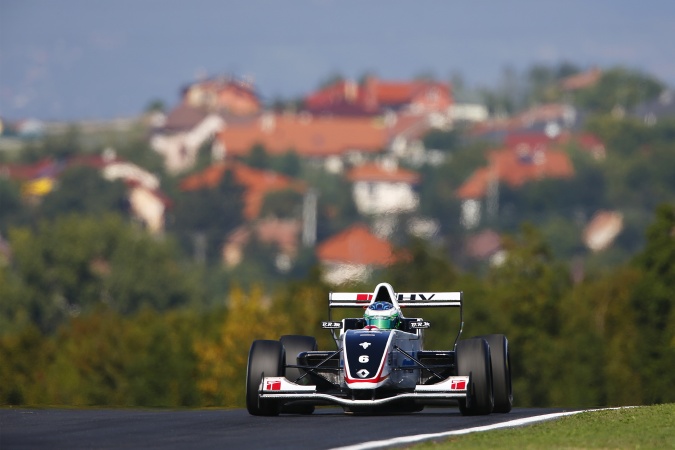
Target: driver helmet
x,y
382,315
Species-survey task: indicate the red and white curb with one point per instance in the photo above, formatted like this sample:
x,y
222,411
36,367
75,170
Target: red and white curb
x,y
432,436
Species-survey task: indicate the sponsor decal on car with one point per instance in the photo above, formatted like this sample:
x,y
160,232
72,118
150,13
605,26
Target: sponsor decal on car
x,y
419,325
273,385
459,385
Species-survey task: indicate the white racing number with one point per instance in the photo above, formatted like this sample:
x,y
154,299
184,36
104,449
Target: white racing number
x,y
364,359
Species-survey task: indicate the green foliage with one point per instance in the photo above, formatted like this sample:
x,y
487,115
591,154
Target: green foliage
x,y
525,296
335,209
204,217
645,427
221,363
75,263
83,190
12,211
437,190
654,306
283,204
618,87
289,164
258,157
24,356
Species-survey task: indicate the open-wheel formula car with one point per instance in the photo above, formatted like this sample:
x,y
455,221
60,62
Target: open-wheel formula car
x,y
380,365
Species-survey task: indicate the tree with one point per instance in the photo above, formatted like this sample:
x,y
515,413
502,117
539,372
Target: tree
x,y
286,203
83,190
525,294
202,218
618,87
222,363
654,306
12,211
289,164
258,157
74,264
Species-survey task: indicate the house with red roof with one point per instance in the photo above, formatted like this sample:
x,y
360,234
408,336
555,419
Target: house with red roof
x,y
511,166
202,112
383,188
587,142
375,96
283,234
257,183
352,255
582,80
331,140
223,94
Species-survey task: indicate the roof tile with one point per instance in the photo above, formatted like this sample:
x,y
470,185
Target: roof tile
x,y
356,245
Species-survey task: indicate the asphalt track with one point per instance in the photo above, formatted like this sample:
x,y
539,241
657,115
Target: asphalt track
x,y
224,429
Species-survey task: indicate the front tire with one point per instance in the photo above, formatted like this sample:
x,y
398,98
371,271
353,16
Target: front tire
x,y
473,359
266,358
501,372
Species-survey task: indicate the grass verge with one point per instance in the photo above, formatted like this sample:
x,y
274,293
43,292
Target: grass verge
x,y
645,427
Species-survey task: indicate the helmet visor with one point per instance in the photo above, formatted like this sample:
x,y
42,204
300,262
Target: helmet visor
x,y
384,323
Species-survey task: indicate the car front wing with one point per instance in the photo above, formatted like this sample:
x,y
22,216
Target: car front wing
x,y
454,387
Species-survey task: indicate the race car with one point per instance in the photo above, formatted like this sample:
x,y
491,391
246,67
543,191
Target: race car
x,y
380,364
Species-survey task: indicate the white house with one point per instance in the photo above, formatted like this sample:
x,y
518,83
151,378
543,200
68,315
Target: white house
x,y
185,131
383,188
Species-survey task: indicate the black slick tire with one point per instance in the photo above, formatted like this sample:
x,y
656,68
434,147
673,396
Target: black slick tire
x,y
473,359
266,358
501,372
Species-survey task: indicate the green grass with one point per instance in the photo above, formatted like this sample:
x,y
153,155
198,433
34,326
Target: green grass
x,y
645,427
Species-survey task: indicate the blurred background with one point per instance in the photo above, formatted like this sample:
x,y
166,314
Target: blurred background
x,y
178,179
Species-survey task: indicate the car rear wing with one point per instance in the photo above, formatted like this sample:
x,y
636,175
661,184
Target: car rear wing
x,y
404,299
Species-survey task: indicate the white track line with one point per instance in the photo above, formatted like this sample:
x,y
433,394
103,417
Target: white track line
x,y
431,436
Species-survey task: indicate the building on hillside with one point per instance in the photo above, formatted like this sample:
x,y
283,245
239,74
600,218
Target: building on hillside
x,y
375,96
225,95
283,234
586,142
602,230
185,131
551,119
582,80
384,188
257,183
333,141
485,246
147,202
352,255
511,166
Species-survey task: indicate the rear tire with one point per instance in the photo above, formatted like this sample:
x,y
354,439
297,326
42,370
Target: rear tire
x,y
266,358
473,359
294,345
501,372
